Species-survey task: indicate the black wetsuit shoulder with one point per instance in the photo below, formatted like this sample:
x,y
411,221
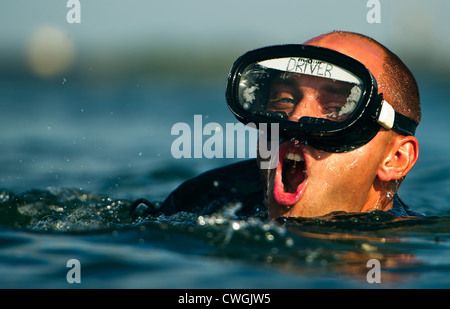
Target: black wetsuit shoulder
x,y
236,183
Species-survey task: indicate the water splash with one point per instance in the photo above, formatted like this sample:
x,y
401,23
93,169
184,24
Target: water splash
x,y
61,210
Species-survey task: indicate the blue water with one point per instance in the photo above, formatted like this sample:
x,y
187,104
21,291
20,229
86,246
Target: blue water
x,y
75,154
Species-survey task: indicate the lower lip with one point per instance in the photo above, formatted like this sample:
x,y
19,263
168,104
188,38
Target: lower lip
x,y
282,197
286,198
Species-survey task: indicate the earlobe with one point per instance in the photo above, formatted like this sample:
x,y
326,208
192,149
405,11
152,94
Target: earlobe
x,y
400,158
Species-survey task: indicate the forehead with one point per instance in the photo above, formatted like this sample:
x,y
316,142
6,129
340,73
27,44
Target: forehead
x,y
364,51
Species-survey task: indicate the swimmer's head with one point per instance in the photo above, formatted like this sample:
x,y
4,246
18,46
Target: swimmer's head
x,y
318,177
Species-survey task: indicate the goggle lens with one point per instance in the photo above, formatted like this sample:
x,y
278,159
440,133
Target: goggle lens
x,y
288,89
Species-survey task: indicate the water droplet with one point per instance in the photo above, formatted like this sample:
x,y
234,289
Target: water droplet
x,y
235,226
269,236
289,242
201,220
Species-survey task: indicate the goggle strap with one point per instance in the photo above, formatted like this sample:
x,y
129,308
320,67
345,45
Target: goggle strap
x,y
404,125
389,119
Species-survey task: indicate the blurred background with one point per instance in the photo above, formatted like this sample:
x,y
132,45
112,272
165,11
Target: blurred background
x,y
90,105
140,37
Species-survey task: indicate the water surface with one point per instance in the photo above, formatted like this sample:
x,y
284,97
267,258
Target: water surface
x,y
76,154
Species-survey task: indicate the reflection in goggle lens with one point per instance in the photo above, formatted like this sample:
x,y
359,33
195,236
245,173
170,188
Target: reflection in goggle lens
x,y
292,88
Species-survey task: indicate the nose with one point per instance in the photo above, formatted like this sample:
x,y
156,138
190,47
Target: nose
x,y
303,107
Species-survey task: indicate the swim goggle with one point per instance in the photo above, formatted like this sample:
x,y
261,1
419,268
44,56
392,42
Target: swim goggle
x,y
316,95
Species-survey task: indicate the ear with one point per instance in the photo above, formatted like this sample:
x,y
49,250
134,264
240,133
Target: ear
x,y
400,158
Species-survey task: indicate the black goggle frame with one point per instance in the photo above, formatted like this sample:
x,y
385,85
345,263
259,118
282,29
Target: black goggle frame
x,y
370,115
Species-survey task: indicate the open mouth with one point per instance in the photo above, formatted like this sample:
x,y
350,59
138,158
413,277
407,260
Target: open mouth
x,y
290,178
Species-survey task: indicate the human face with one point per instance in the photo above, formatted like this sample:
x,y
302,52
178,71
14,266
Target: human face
x,y
309,182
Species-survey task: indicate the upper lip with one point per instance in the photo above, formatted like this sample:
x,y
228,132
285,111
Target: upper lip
x,y
286,193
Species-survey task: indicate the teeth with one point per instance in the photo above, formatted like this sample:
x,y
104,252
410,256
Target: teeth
x,y
293,156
